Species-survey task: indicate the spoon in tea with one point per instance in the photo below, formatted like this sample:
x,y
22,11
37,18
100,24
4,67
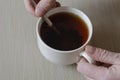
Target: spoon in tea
x,y
48,21
50,24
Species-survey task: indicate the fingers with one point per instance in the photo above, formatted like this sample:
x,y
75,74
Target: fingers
x,y
40,7
43,6
96,72
102,55
92,71
29,5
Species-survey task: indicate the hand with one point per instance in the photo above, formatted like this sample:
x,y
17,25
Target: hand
x,y
40,7
109,70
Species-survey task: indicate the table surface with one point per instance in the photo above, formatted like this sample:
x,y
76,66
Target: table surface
x,y
20,58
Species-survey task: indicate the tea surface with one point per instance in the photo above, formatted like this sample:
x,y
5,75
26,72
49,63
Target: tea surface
x,y
74,32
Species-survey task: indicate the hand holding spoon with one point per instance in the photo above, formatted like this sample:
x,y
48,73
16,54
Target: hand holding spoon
x,y
48,21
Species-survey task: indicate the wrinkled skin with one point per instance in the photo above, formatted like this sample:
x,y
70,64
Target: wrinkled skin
x,y
109,68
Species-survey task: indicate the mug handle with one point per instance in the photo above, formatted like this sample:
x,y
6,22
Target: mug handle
x,y
88,58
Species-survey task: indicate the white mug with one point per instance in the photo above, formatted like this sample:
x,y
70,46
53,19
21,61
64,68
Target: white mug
x,y
59,56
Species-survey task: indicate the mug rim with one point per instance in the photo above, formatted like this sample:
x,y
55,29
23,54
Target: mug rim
x,y
65,51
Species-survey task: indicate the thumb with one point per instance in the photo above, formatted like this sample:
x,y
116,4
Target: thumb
x,y
43,6
92,71
102,55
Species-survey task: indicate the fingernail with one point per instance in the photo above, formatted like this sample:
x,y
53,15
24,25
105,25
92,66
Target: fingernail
x,y
39,12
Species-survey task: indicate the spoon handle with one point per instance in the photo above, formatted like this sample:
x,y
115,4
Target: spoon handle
x,y
47,20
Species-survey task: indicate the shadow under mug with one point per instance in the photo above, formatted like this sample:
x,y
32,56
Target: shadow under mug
x,y
59,56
